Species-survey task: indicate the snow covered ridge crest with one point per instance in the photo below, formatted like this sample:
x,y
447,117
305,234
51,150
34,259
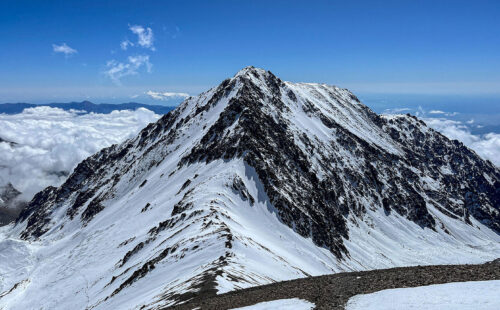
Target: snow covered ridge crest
x,y
256,180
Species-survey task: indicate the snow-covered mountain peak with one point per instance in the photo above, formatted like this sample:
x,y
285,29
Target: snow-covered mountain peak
x,y
251,70
253,181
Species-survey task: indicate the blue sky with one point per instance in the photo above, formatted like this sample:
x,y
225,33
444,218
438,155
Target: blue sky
x,y
371,47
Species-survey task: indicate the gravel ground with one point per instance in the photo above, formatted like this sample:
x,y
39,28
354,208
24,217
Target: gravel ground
x,y
333,291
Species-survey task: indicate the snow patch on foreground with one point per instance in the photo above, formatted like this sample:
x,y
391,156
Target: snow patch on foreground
x,y
451,296
281,304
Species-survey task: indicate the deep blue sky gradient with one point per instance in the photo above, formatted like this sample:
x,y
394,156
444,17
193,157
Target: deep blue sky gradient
x,y
381,47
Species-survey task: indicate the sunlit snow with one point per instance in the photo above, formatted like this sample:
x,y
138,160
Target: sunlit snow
x,y
484,295
281,304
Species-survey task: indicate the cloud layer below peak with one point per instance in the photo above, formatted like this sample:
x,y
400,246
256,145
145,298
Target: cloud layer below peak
x,y
50,142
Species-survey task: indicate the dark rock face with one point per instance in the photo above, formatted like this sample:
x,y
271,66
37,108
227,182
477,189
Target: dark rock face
x,y
316,186
310,205
239,187
10,205
471,185
265,144
9,142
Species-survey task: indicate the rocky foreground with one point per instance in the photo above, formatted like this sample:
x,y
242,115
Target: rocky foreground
x,y
333,291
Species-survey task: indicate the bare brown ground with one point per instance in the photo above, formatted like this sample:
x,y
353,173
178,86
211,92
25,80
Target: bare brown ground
x,y
333,291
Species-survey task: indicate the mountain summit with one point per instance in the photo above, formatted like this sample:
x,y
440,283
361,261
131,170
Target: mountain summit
x,y
254,181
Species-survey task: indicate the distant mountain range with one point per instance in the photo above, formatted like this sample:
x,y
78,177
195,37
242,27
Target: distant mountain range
x,y
87,106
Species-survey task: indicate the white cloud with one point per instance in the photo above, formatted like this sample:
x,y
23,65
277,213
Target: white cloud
x,y
145,36
117,70
423,113
138,61
52,141
63,48
165,95
486,146
125,44
436,112
396,110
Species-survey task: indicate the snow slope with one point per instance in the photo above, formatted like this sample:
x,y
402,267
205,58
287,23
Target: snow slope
x,y
88,259
450,296
254,181
281,304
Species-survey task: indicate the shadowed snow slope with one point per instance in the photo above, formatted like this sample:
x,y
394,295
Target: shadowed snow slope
x,y
254,181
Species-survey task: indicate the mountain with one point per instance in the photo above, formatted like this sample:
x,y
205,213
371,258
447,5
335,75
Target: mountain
x,y
254,181
9,142
87,106
10,206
